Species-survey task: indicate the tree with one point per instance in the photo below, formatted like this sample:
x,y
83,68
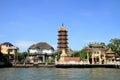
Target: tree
x,y
103,44
1,56
20,57
76,54
82,54
69,51
57,53
115,45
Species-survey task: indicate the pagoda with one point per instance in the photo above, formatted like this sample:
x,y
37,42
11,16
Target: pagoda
x,y
62,39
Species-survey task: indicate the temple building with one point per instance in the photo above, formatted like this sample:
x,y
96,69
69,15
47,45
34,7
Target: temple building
x,y
9,49
62,39
65,56
40,52
98,54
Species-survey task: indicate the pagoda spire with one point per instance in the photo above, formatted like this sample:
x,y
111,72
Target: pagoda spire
x,y
62,39
62,24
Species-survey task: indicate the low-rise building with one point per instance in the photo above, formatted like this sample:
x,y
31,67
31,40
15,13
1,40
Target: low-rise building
x,y
40,52
9,49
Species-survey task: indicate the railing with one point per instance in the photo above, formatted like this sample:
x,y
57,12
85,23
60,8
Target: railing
x,y
72,62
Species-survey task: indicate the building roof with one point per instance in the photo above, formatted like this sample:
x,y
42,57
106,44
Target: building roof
x,y
62,28
33,46
41,45
110,51
7,43
95,45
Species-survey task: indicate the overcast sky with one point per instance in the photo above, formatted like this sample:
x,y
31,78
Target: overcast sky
x,y
26,22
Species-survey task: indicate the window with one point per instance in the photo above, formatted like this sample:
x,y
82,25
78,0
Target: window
x,y
7,45
10,50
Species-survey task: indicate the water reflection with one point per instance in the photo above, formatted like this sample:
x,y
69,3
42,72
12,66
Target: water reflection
x,y
59,74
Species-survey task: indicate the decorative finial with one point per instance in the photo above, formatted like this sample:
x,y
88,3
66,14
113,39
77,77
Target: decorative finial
x,y
62,24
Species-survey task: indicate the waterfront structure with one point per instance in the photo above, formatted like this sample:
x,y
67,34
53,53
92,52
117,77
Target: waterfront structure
x,y
98,54
62,39
110,56
40,52
64,58
9,49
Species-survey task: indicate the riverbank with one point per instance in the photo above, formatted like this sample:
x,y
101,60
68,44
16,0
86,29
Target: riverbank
x,y
87,66
32,65
3,64
67,65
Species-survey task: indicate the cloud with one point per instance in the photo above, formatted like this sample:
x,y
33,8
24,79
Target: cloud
x,y
23,45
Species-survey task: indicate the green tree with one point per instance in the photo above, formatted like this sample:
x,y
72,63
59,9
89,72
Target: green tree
x,y
69,51
103,44
20,57
57,53
1,56
76,54
82,54
115,45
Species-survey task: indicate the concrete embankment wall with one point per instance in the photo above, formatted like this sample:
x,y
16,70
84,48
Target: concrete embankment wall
x,y
87,66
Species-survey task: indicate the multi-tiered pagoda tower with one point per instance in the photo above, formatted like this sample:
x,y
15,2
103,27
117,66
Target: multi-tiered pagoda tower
x,y
62,39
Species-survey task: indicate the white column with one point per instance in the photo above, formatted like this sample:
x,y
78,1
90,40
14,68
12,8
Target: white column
x,y
43,58
93,58
88,58
100,61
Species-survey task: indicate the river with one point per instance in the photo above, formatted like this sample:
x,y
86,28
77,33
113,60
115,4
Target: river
x,y
59,74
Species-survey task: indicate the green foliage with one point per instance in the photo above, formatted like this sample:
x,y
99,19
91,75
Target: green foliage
x,y
58,54
1,56
82,54
20,57
103,44
76,54
4,57
69,51
50,60
115,45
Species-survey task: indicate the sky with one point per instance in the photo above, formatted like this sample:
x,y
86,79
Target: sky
x,y
27,22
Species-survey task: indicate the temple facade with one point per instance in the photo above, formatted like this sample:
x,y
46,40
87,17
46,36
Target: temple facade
x,y
98,54
62,39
